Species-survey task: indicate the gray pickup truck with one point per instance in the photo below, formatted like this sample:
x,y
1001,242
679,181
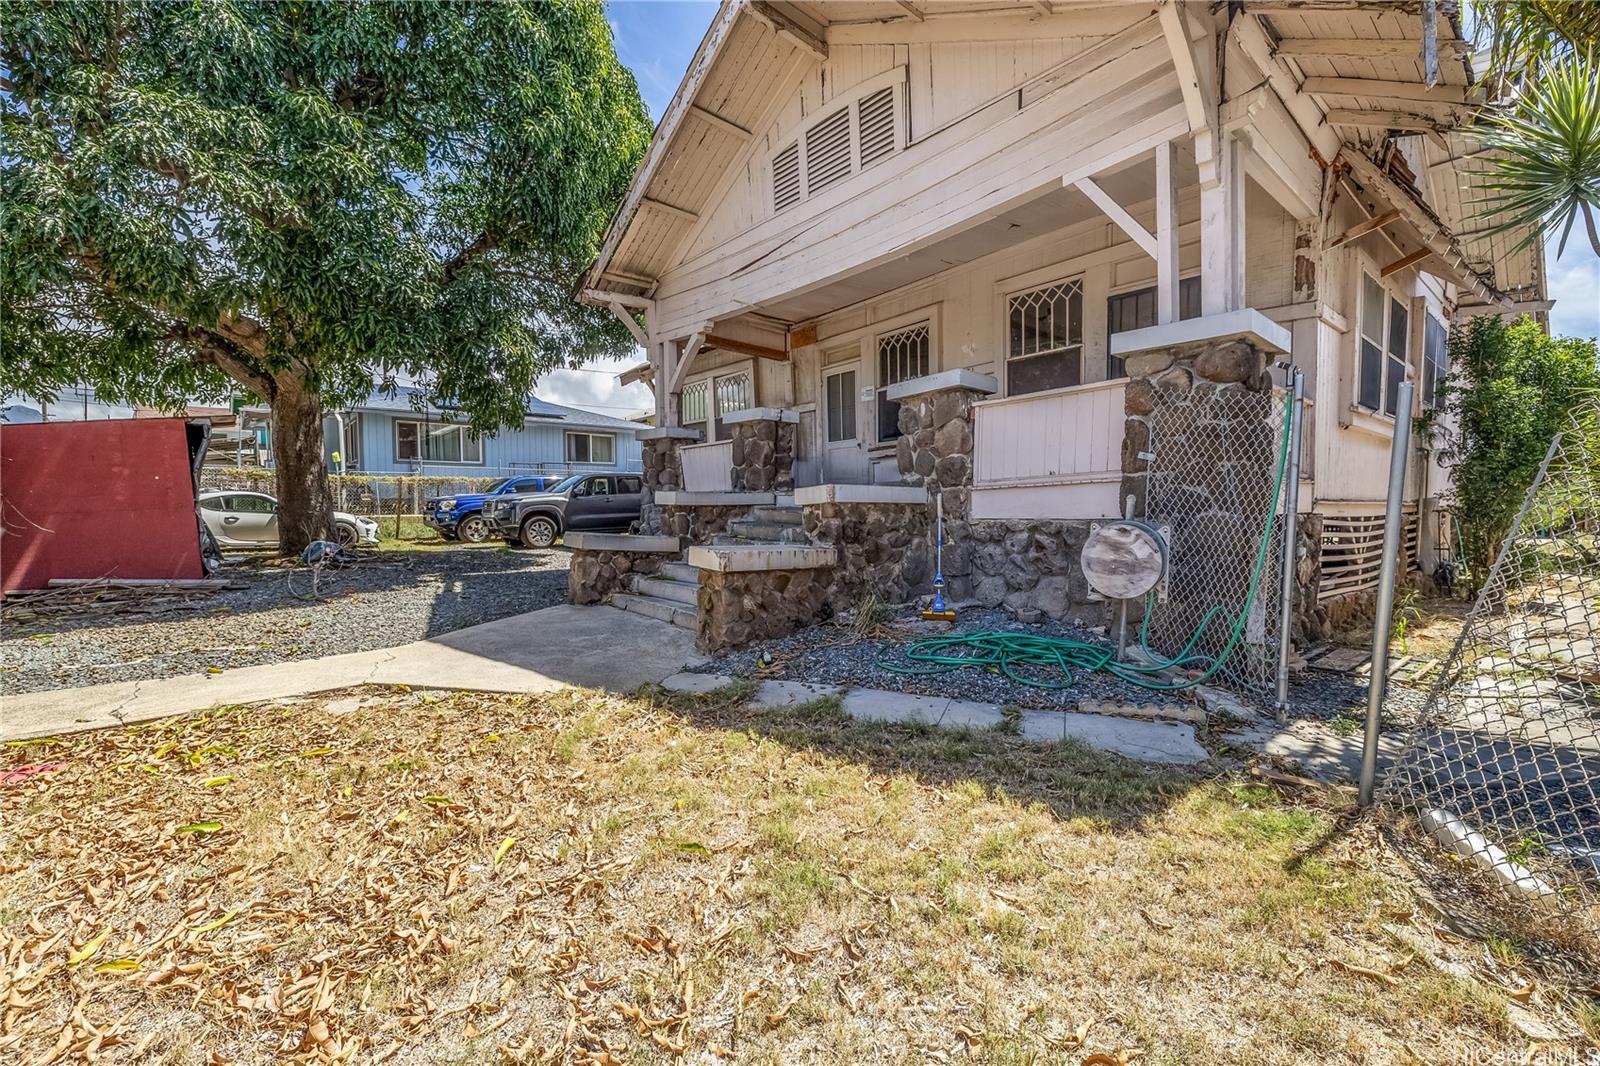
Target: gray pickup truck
x,y
600,503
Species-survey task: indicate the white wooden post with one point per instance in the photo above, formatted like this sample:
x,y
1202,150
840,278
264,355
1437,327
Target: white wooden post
x,y
1222,231
1167,304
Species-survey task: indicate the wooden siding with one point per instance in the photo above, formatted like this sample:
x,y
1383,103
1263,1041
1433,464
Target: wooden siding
x,y
1112,104
708,467
1056,437
535,448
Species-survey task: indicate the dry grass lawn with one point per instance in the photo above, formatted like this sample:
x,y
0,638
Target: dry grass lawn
x,y
410,878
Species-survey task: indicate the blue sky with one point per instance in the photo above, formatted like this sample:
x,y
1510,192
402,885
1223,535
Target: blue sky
x,y
657,38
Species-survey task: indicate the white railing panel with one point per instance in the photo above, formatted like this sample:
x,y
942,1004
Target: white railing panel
x,y
1063,436
708,467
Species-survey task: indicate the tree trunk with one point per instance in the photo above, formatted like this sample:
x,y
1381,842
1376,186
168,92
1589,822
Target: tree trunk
x,y
305,501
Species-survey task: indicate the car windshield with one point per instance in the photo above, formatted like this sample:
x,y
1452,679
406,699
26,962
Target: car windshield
x,y
565,483
501,484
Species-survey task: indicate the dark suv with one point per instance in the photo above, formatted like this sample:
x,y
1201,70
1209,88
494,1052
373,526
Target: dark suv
x,y
599,503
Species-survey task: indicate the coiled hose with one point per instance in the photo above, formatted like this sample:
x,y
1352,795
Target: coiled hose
x,y
1010,652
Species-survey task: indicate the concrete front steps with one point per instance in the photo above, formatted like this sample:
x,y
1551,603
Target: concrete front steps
x,y
772,524
668,596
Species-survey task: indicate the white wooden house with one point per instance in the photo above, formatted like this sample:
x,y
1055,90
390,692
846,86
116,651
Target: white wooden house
x,y
845,196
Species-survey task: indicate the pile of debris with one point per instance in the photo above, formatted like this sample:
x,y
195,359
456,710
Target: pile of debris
x,y
67,596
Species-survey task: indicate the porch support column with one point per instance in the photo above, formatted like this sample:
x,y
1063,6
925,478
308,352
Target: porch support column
x,y
1222,245
1167,305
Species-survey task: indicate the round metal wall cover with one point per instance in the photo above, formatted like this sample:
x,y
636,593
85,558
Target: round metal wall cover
x,y
1123,560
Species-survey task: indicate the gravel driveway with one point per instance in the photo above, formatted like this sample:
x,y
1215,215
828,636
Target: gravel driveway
x,y
386,599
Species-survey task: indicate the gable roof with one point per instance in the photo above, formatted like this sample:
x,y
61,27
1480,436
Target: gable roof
x,y
1351,73
409,399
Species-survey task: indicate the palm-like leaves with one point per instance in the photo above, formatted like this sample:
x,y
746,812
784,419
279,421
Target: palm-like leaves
x,y
1522,35
1545,167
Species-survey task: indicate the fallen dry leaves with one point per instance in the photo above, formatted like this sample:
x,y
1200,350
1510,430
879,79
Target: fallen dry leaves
x,y
570,879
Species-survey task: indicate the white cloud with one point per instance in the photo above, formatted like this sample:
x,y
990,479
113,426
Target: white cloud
x,y
594,387
1575,287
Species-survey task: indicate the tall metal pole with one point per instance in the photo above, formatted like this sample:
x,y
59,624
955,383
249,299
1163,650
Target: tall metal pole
x,y
1392,521
1291,534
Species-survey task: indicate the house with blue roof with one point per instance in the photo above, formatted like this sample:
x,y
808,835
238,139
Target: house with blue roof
x,y
400,432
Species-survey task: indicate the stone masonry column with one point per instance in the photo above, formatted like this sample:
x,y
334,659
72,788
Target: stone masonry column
x,y
1200,443
763,449
936,450
663,470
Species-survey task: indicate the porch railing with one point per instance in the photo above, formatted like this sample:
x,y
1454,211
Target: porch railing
x,y
708,467
1061,437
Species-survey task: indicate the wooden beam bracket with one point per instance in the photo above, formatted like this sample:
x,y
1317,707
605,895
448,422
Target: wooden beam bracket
x,y
760,351
1119,214
1404,261
1361,229
788,28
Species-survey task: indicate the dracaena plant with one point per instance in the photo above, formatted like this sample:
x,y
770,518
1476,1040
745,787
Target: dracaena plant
x,y
1543,167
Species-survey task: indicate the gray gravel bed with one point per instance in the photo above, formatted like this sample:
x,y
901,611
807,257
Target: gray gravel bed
x,y
385,599
830,654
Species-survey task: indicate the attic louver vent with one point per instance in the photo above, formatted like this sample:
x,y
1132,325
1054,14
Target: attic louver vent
x,y
786,177
828,151
875,115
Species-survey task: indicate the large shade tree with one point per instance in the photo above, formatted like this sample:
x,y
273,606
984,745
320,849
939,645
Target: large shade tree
x,y
303,199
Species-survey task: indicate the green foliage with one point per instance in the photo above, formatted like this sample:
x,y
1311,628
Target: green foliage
x,y
306,195
1545,168
1520,36
1511,389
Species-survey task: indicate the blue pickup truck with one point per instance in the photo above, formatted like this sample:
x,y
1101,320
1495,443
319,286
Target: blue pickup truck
x,y
460,517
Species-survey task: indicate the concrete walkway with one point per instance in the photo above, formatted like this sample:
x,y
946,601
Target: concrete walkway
x,y
540,651
1145,741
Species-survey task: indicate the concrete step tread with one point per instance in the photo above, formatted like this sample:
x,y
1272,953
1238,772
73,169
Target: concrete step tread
x,y
655,607
663,588
680,572
788,516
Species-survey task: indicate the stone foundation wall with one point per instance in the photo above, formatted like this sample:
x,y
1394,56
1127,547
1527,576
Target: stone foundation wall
x,y
1030,567
763,456
594,575
935,450
1312,621
885,548
663,472
740,607
699,524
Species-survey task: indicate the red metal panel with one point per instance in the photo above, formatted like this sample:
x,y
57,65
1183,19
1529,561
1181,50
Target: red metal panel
x,y
110,498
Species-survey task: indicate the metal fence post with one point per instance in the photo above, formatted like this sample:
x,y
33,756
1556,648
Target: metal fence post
x,y
1392,522
1291,534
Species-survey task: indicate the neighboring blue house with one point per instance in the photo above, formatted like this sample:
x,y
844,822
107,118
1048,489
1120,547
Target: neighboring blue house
x,y
401,434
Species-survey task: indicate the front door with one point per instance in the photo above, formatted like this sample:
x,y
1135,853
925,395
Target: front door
x,y
844,451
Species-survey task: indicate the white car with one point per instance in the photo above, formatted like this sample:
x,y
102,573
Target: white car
x,y
250,520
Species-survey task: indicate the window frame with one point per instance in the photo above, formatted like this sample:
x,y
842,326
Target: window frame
x,y
880,386
1114,361
1076,280
466,436
1433,373
1384,344
590,435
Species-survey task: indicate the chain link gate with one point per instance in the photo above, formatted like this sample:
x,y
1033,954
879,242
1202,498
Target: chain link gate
x,y
1503,769
1213,480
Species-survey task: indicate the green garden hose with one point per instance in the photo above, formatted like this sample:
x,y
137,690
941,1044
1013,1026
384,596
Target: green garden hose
x,y
1009,652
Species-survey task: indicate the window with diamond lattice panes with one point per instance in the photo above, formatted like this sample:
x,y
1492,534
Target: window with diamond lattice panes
x,y
902,356
1045,345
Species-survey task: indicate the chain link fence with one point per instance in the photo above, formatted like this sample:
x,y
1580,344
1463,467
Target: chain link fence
x,y
1211,482
1500,782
